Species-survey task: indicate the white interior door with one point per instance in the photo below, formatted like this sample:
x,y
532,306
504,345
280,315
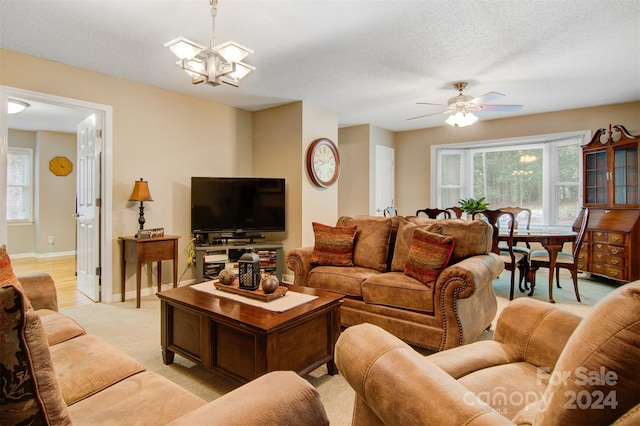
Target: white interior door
x,y
385,172
88,206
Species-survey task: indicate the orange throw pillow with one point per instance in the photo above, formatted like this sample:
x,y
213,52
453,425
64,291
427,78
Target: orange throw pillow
x,y
333,245
428,256
6,270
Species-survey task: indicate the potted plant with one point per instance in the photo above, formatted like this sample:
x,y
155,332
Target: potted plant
x,y
470,205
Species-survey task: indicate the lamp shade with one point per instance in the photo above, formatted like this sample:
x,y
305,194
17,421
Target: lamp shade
x,y
141,191
184,48
232,51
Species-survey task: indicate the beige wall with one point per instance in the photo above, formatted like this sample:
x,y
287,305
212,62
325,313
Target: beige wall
x,y
413,148
358,175
55,195
277,135
318,204
162,136
353,184
281,136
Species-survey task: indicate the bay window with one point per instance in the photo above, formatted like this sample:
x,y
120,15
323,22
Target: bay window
x,y
542,173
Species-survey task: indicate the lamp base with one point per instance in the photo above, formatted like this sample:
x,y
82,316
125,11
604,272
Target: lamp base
x,y
141,218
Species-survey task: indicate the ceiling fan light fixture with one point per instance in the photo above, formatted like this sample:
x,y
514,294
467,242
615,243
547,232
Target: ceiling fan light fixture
x,y
461,119
214,65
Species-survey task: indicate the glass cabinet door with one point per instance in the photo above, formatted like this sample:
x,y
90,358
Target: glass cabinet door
x,y
596,178
625,169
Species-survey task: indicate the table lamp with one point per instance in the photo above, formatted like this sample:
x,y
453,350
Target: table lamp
x,y
141,193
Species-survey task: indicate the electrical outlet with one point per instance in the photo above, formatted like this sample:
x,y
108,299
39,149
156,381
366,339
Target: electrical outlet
x,y
51,239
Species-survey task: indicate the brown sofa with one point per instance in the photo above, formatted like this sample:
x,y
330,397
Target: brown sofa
x,y
454,311
545,366
52,372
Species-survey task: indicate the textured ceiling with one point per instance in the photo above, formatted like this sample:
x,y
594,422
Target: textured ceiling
x,y
368,61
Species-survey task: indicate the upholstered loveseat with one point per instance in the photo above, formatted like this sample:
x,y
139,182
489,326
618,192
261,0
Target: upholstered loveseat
x,y
450,307
53,372
544,366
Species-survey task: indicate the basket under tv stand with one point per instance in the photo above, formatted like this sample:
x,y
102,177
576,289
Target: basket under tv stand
x,y
213,257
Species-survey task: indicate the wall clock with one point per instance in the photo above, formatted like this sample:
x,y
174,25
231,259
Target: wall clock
x,y
323,162
60,166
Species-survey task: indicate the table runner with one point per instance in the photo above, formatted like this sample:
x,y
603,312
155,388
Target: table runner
x,y
289,301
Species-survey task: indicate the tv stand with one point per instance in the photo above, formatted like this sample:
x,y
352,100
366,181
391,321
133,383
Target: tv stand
x,y
204,239
213,258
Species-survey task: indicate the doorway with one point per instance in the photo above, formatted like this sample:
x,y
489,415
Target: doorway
x,y
104,244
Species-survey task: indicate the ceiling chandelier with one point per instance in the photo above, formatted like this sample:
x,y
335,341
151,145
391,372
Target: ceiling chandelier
x,y
214,65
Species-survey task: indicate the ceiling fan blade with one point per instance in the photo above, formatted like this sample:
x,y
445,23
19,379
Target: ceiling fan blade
x,y
429,115
487,97
429,103
510,108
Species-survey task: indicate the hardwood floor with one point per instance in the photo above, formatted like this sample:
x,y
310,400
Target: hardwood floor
x,y
62,270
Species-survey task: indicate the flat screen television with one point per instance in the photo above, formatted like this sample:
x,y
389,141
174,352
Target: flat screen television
x,y
237,205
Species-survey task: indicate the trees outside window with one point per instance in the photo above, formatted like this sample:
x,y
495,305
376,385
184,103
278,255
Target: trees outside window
x,y
541,173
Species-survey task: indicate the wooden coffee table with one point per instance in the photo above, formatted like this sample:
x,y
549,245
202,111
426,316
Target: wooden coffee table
x,y
243,342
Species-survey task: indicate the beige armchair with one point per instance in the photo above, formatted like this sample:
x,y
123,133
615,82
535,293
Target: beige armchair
x,y
545,367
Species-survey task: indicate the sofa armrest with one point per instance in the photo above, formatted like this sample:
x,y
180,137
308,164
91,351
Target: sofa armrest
x,y
535,331
41,291
276,398
299,261
464,298
471,274
396,385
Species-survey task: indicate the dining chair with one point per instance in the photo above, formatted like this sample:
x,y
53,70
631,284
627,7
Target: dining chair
x,y
434,213
390,211
540,258
457,211
522,221
512,260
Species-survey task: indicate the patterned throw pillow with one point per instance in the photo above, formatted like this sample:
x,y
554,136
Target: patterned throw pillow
x,y
333,245
428,256
404,237
6,271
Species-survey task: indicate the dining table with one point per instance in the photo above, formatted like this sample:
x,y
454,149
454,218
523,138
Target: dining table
x,y
552,239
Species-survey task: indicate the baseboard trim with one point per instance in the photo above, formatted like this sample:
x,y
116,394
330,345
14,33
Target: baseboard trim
x,y
43,255
148,291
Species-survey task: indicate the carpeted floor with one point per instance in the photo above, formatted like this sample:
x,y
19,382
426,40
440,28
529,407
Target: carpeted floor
x,y
137,332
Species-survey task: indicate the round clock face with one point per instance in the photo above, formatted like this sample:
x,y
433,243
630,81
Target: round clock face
x,y
323,162
60,166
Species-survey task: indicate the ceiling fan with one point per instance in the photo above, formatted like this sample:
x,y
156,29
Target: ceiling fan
x,y
460,107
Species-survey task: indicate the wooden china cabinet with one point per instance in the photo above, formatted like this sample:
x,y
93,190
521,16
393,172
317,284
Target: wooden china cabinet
x,y
611,246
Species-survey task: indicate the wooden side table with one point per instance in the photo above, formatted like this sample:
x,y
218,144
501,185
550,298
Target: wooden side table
x,y
146,250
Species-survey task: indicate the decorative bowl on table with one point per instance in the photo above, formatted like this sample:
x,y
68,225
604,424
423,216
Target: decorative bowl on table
x,y
270,284
226,276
